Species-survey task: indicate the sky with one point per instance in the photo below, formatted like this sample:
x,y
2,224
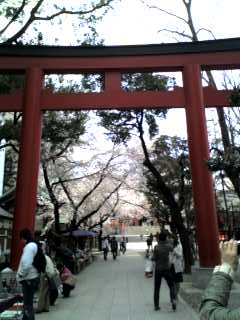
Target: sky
x,y
131,22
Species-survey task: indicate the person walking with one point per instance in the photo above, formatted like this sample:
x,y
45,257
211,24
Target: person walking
x,y
177,264
27,274
215,297
149,243
123,245
105,247
114,247
151,240
163,270
148,264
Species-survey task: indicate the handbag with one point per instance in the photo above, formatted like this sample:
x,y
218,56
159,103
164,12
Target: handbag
x,y
71,281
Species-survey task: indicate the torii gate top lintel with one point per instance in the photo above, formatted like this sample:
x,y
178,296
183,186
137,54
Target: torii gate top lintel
x,y
210,54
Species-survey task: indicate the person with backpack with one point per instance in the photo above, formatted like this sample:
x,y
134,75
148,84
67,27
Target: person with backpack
x,y
27,273
163,270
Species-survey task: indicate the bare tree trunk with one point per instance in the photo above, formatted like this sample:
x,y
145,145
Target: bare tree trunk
x,y
54,201
184,239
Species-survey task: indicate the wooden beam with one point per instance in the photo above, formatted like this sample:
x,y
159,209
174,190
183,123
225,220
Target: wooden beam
x,y
117,99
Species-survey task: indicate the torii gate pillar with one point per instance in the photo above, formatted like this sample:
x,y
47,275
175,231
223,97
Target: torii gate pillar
x,y
28,164
205,211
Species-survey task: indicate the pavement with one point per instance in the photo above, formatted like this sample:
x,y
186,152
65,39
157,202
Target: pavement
x,y
116,290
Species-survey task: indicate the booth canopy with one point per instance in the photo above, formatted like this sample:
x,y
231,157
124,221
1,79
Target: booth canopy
x,y
81,233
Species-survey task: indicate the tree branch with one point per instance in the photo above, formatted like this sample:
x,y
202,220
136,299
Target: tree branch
x,y
33,17
14,17
99,206
27,24
57,155
209,31
78,12
48,185
182,34
9,145
107,215
165,11
134,204
102,176
67,193
74,179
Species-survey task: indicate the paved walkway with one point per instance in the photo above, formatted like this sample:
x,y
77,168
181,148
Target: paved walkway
x,y
116,290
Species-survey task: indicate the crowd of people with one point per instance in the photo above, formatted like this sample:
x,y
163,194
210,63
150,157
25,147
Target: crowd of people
x,y
111,244
164,261
43,273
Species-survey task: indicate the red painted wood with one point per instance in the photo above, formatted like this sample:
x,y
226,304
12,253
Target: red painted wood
x,y
12,102
28,165
111,99
216,98
206,220
112,82
169,62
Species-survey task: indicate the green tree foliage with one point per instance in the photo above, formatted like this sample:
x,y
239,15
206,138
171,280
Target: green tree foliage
x,y
170,156
28,21
122,124
63,129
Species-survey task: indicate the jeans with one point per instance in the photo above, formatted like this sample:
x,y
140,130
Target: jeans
x,y
167,275
29,287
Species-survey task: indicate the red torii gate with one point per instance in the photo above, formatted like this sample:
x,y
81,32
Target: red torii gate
x,y
188,58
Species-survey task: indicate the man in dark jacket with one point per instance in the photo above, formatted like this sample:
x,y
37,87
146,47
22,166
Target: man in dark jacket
x,y
162,269
114,247
215,298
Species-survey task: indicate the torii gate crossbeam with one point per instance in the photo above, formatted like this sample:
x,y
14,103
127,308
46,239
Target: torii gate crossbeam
x,y
188,58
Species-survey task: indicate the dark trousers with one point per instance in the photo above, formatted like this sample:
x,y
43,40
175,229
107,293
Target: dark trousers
x,y
105,253
66,290
53,291
167,275
29,287
114,254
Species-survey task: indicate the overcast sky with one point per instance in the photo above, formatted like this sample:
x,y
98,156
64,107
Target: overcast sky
x,y
131,22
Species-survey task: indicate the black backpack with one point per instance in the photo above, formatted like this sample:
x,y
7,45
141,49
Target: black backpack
x,y
39,260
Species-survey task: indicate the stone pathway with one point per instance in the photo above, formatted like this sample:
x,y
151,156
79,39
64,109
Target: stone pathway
x,y
116,290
